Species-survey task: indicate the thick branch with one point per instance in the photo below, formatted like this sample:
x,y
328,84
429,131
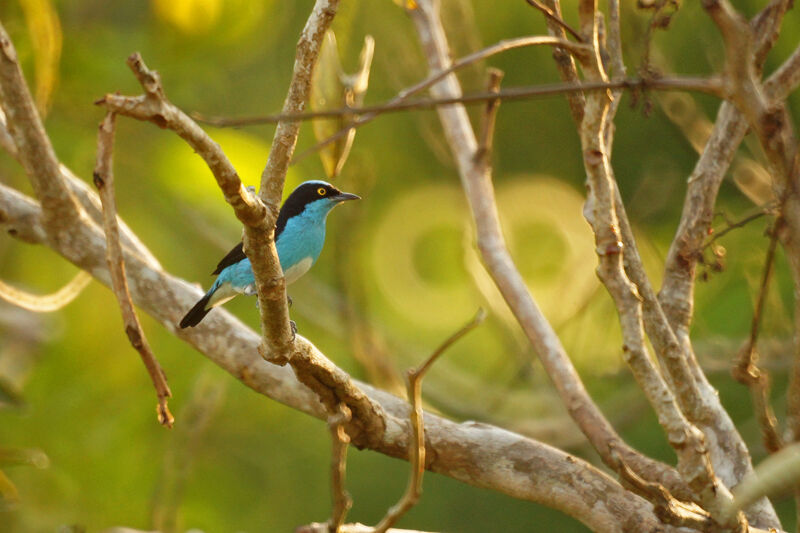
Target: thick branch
x,y
687,441
478,454
33,147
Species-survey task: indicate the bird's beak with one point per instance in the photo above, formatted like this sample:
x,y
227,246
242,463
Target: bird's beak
x,y
344,196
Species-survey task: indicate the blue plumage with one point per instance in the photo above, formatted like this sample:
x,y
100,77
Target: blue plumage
x,y
299,238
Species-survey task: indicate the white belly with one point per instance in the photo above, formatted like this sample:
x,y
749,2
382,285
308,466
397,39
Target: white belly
x,y
297,270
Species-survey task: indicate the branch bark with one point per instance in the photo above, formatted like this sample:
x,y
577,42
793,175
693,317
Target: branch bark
x,y
104,181
478,454
259,245
476,181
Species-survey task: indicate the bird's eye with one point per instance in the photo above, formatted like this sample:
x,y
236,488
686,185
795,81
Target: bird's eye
x,y
321,191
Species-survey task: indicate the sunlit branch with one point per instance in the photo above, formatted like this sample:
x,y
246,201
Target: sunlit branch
x,y
259,245
417,443
34,149
45,303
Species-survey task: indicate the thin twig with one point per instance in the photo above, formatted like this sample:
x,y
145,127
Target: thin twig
x,y
553,17
417,444
342,502
746,370
483,154
732,225
104,181
712,86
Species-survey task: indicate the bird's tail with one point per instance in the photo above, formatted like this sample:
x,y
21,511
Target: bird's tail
x,y
198,312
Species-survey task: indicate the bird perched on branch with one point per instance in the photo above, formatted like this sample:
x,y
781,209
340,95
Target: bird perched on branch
x,y
299,237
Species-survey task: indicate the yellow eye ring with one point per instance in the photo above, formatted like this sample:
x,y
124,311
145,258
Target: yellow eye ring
x,y
321,191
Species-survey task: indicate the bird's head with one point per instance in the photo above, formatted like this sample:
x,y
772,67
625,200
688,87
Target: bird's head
x,y
316,197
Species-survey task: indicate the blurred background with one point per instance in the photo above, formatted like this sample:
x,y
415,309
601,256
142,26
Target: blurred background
x,y
80,448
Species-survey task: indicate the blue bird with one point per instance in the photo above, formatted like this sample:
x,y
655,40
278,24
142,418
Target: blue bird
x,y
299,237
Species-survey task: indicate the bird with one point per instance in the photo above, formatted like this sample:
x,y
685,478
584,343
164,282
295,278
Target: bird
x,y
299,238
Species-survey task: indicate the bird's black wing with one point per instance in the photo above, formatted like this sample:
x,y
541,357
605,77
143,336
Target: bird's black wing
x,y
288,210
233,257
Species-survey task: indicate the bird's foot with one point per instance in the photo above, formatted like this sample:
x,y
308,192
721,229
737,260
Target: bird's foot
x,y
293,325
289,300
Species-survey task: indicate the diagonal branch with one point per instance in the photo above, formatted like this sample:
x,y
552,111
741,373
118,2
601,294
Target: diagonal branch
x,y
259,245
104,181
478,188
33,147
417,450
687,441
466,452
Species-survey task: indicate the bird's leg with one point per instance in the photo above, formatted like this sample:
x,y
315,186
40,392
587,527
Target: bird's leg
x,y
289,300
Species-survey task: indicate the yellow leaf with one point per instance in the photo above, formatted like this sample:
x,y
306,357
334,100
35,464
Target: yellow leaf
x,y
9,496
189,16
46,38
331,88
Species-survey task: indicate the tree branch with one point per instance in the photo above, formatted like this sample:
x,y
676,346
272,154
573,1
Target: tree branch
x,y
104,181
417,447
477,186
258,244
33,146
746,370
710,86
470,452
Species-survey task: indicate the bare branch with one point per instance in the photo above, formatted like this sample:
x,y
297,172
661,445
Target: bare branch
x,y
554,18
417,448
33,146
153,106
687,441
530,470
104,181
340,440
565,64
710,86
405,94
259,244
477,186
669,510
21,217
483,154
46,303
745,369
